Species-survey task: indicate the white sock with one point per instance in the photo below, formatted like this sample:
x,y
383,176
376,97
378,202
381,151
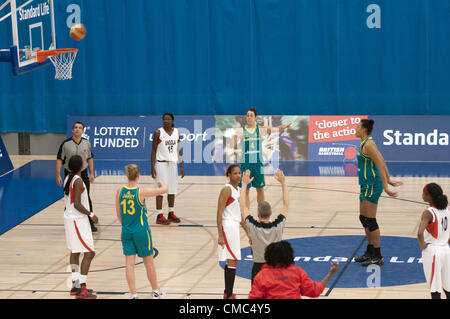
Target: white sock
x,y
170,209
134,296
83,279
159,211
75,275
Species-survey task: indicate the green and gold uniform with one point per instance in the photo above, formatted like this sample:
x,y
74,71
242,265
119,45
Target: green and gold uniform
x,y
369,177
252,156
136,236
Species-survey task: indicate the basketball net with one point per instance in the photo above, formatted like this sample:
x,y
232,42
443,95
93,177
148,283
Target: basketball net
x,y
62,60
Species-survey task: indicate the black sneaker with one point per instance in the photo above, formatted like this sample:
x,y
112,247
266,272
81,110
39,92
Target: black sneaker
x,y
373,261
362,258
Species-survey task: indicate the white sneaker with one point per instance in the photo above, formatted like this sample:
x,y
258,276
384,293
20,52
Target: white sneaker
x,y
157,294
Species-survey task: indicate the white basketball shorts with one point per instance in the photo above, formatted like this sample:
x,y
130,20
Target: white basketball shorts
x,y
167,172
232,238
79,235
436,267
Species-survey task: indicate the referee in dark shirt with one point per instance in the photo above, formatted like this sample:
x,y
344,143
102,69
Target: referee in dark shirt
x,y
263,231
77,145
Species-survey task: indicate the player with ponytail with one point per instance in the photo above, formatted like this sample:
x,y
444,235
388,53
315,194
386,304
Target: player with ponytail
x,y
228,220
373,176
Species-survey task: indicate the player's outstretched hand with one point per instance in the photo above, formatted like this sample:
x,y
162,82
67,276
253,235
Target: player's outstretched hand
x,y
391,193
334,267
246,178
395,183
279,176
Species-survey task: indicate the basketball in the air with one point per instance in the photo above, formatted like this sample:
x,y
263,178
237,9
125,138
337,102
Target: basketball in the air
x,y
77,31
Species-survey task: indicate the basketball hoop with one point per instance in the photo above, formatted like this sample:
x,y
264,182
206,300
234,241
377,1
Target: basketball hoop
x,y
62,60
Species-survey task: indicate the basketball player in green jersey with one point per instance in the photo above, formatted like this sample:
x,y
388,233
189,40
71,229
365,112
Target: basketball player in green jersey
x,y
136,236
252,157
373,178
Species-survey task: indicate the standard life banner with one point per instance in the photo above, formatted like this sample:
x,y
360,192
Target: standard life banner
x,y
131,137
413,138
209,139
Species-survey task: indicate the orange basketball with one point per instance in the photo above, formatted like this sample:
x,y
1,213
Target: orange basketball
x,y
77,31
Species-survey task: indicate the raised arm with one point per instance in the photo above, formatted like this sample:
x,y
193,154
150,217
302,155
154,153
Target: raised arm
x,y
279,176
280,128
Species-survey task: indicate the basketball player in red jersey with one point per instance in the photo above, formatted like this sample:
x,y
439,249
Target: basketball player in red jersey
x,y
166,154
434,239
228,220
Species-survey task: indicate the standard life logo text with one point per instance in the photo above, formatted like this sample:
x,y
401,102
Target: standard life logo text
x,y
415,139
392,260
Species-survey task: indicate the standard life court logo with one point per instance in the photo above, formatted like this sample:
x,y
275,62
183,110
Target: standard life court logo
x,y
402,261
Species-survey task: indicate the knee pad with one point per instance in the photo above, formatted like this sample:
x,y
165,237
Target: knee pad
x,y
363,220
372,224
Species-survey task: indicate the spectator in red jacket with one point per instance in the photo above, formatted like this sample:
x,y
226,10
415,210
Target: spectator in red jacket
x,y
280,279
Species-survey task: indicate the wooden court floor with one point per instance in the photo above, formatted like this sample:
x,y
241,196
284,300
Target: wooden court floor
x,y
34,257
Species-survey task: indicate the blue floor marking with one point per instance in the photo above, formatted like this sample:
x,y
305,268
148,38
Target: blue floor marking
x,y
26,191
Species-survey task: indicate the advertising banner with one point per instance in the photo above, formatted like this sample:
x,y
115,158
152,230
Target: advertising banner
x,y
131,137
412,138
332,138
210,139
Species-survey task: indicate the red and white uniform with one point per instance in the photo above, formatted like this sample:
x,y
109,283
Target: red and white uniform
x,y
167,159
231,219
436,257
78,229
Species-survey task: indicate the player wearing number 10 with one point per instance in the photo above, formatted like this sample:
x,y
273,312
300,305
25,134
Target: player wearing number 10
x,y
434,236
136,236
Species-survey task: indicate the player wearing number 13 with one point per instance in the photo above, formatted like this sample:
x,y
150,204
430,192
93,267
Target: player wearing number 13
x,y
136,236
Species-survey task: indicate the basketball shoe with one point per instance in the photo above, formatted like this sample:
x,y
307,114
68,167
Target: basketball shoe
x,y
157,294
160,219
233,296
374,260
75,291
85,294
171,217
362,258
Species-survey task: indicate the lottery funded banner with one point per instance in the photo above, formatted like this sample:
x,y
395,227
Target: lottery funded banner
x,y
332,138
131,137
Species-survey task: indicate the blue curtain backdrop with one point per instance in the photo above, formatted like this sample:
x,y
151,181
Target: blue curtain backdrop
x,y
206,57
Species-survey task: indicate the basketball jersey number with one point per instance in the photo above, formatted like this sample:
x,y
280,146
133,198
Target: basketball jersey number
x,y
444,223
128,207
